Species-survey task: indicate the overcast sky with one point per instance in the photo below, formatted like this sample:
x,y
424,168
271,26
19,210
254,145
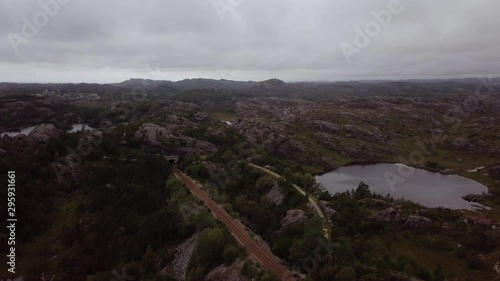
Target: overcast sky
x,y
294,40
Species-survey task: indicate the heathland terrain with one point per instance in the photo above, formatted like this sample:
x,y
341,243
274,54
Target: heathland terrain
x,y
102,203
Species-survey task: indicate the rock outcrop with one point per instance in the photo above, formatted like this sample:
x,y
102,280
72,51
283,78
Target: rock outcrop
x,y
388,215
461,144
276,194
476,197
418,222
229,273
42,134
213,170
176,123
183,252
196,146
329,211
158,136
153,134
292,218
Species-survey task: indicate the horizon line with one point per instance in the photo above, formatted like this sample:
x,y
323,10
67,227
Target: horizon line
x,y
254,81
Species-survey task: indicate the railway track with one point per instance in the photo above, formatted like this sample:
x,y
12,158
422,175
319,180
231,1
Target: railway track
x,y
258,252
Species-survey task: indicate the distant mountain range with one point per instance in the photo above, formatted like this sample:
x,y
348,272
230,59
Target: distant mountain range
x,y
272,87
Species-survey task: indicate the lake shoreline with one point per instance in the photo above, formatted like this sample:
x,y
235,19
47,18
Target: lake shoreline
x,y
419,186
73,128
442,171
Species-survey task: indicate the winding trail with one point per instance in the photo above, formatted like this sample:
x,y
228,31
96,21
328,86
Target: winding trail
x,y
314,201
261,254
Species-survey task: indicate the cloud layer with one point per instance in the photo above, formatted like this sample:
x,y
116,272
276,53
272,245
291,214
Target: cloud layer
x,y
108,41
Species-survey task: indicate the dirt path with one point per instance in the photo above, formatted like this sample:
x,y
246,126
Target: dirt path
x,y
313,200
262,255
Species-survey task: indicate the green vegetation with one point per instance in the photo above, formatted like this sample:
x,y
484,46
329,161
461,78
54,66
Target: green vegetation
x,y
361,249
214,246
119,207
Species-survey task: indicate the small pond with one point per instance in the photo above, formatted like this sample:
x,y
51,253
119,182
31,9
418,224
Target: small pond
x,y
426,188
24,131
77,127
80,127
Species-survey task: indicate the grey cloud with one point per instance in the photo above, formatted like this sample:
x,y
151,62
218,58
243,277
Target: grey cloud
x,y
108,41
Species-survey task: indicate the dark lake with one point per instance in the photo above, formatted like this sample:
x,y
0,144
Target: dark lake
x,y
421,186
77,127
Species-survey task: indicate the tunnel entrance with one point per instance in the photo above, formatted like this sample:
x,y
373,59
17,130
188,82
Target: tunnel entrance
x,y
172,159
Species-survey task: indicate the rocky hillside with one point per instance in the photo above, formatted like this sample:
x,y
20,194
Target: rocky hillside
x,y
346,129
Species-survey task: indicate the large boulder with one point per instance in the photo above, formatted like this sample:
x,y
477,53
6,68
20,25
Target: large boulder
x,y
19,139
477,197
387,215
153,134
418,222
227,272
329,211
214,170
292,218
461,143
276,194
177,123
190,145
158,136
42,134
